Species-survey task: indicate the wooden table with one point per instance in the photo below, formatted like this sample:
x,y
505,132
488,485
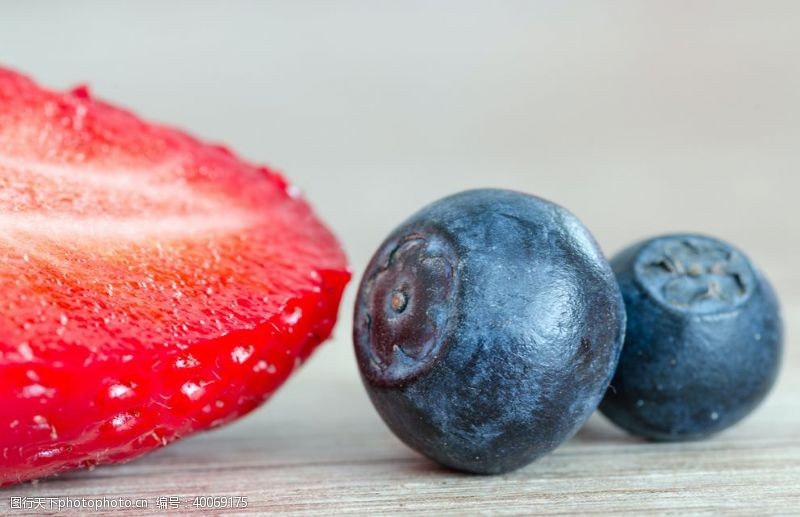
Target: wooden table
x,y
641,117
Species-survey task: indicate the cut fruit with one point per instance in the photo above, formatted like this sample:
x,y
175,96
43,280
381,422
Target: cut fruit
x,y
151,285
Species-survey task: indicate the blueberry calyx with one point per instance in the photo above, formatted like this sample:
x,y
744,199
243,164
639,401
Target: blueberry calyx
x,y
408,297
694,274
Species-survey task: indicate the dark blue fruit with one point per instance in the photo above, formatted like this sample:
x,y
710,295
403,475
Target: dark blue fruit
x,y
703,342
487,328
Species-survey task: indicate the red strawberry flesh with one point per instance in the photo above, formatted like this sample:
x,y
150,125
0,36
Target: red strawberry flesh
x,y
151,285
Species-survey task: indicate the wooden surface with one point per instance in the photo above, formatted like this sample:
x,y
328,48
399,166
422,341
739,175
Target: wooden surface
x,y
642,118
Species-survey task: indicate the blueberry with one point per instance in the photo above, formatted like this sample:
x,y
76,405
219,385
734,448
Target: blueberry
x,y
487,328
703,343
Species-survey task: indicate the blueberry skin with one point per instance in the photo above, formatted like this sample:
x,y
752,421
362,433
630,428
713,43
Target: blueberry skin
x,y
703,343
487,328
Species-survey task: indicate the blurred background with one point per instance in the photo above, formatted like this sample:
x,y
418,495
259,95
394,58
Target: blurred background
x,y
640,117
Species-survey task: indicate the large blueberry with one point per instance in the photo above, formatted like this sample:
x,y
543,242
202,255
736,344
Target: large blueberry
x,y
703,342
487,328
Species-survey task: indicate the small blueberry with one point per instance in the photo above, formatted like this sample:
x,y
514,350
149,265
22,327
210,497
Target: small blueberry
x,y
703,341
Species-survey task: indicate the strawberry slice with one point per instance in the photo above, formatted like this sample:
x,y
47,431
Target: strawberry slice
x,y
151,285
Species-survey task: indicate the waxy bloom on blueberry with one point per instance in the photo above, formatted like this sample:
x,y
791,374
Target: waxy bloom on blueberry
x,y
703,342
487,328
